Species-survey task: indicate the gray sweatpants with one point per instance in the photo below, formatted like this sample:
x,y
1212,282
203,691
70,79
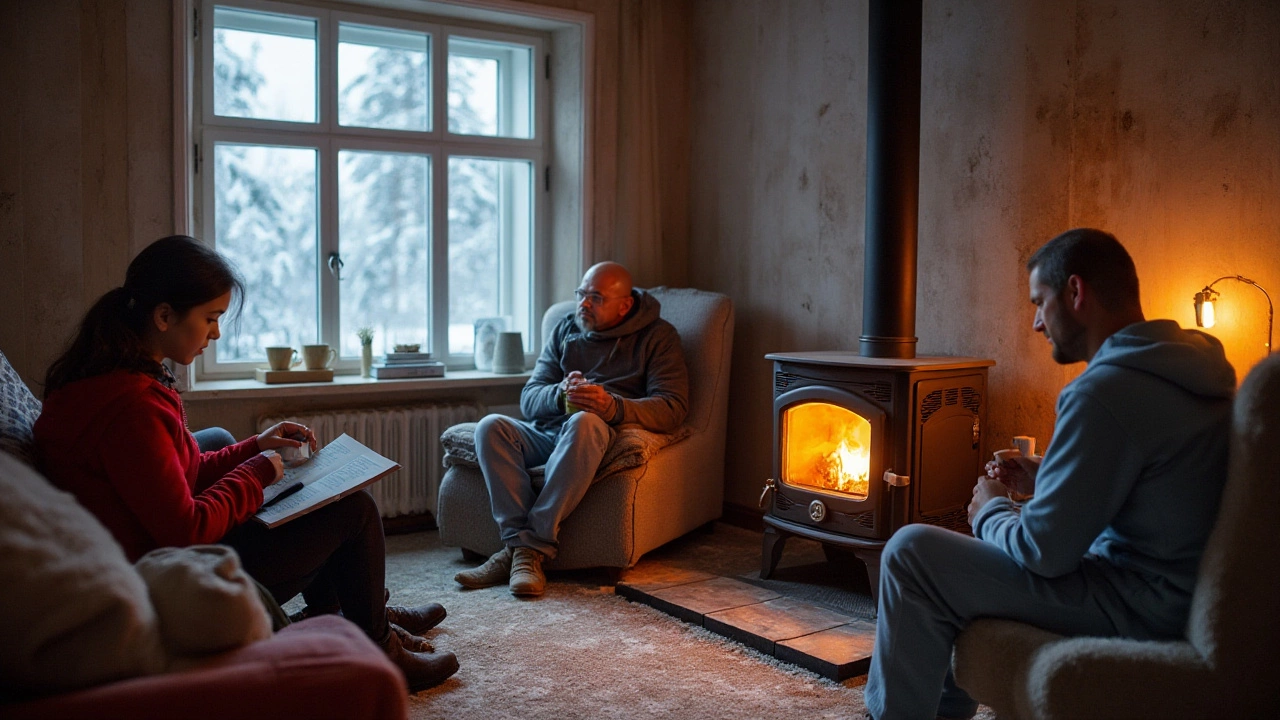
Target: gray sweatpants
x,y
506,448
933,582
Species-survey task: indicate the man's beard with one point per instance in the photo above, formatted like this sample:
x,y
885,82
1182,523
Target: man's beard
x,y
1069,346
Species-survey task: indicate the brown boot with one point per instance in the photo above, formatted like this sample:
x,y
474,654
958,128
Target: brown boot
x,y
417,619
421,669
495,571
527,578
412,642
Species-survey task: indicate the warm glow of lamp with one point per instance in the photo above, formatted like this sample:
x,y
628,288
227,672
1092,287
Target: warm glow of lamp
x,y
1204,308
1205,298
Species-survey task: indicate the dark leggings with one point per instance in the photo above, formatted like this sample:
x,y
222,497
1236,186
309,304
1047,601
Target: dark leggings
x,y
334,553
333,556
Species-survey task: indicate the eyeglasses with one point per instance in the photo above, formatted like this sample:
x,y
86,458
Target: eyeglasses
x,y
595,297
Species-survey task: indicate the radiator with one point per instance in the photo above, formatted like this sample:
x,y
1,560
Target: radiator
x,y
409,435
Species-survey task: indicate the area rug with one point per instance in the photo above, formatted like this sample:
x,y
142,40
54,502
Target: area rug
x,y
582,652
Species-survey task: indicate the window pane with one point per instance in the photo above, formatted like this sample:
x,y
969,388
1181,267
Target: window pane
x,y
382,230
383,78
490,234
265,222
264,66
490,88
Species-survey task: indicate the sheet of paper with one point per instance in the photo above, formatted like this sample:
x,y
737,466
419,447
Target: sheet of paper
x,y
333,471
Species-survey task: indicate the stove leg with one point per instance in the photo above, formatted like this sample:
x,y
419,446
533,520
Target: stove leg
x,y
871,558
771,552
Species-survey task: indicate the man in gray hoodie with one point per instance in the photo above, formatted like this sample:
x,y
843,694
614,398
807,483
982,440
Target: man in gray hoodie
x,y
1124,498
611,362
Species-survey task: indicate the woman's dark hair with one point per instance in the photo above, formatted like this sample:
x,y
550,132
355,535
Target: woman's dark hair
x,y
178,270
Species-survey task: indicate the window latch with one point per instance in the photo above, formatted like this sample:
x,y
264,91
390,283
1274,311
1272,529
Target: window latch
x,y
335,265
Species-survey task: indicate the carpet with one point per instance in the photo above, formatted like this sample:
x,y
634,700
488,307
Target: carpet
x,y
582,652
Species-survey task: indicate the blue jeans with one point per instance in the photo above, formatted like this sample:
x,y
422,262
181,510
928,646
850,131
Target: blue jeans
x,y
506,448
933,582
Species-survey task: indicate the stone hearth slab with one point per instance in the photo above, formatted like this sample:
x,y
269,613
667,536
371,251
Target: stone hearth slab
x,y
823,641
763,624
692,601
839,653
656,577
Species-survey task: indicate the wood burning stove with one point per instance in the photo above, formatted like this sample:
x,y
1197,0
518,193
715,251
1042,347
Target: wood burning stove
x,y
864,445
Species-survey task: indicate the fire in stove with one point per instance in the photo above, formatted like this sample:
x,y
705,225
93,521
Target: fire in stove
x,y
826,447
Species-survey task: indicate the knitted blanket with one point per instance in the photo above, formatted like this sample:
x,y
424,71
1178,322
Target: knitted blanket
x,y
632,447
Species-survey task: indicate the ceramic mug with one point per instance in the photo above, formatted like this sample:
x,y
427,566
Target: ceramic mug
x,y
281,358
318,357
508,353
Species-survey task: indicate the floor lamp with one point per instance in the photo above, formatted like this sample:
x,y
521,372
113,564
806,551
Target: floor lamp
x,y
1205,298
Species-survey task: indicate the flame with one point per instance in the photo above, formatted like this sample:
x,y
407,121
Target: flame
x,y
828,447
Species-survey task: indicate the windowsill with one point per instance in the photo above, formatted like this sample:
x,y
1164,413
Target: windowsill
x,y
348,386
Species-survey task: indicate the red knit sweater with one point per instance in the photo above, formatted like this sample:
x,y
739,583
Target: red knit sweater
x,y
119,443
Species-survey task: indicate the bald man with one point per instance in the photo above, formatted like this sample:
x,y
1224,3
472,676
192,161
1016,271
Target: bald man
x,y
611,362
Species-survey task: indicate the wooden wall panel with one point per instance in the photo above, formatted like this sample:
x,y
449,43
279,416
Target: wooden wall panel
x,y
12,269
51,168
104,179
149,62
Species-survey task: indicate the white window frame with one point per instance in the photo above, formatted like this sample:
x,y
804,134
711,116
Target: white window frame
x,y
204,129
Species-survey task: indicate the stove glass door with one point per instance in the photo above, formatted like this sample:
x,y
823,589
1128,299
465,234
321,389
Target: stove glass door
x,y
826,447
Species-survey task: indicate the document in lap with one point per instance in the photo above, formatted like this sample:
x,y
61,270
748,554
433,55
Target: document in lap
x,y
333,472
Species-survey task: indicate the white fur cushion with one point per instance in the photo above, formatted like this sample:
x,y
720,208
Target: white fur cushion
x,y
205,600
73,611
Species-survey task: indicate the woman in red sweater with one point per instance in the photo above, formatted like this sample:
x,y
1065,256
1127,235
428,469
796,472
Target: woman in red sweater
x,y
113,432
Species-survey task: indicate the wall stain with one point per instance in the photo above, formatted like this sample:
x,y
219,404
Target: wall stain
x,y
823,110
804,179
1223,108
1126,120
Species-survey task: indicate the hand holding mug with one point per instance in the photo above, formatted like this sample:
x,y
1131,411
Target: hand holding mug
x,y
592,398
1016,472
287,435
277,464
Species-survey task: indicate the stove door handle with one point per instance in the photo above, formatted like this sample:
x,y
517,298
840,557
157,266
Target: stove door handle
x,y
768,488
894,480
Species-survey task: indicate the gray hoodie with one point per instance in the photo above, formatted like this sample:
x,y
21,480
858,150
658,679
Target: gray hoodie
x,y
1129,487
639,361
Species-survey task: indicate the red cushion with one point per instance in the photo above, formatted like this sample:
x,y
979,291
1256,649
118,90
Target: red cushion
x,y
324,667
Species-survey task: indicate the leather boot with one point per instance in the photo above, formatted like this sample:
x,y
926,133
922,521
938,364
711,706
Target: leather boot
x,y
421,669
495,571
418,619
527,578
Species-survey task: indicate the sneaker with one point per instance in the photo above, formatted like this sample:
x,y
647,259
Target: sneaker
x,y
421,669
527,578
495,571
416,620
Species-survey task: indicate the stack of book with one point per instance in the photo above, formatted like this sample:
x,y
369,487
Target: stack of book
x,y
408,365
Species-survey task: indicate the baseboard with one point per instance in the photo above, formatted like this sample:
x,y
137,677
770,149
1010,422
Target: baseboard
x,y
402,524
742,516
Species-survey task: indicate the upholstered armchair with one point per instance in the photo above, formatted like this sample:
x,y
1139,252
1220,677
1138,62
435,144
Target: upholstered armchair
x,y
1227,663
647,493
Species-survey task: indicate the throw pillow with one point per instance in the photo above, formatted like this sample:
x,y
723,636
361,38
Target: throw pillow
x,y
205,600
74,612
18,412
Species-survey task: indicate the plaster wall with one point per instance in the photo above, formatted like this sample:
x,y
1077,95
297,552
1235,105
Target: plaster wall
x,y
1155,120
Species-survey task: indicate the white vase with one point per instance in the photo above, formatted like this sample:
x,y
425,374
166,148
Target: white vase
x,y
366,361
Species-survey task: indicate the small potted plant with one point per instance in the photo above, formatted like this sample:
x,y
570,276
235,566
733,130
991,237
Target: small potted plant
x,y
366,351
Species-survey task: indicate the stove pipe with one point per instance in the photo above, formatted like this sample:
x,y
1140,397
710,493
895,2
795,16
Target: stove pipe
x,y
893,179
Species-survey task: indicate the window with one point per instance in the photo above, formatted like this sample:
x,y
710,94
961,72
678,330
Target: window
x,y
368,170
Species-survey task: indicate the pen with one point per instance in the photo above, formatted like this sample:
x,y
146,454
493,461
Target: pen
x,y
295,487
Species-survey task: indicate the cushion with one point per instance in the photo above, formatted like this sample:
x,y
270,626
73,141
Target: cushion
x,y
632,446
74,611
205,601
18,412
